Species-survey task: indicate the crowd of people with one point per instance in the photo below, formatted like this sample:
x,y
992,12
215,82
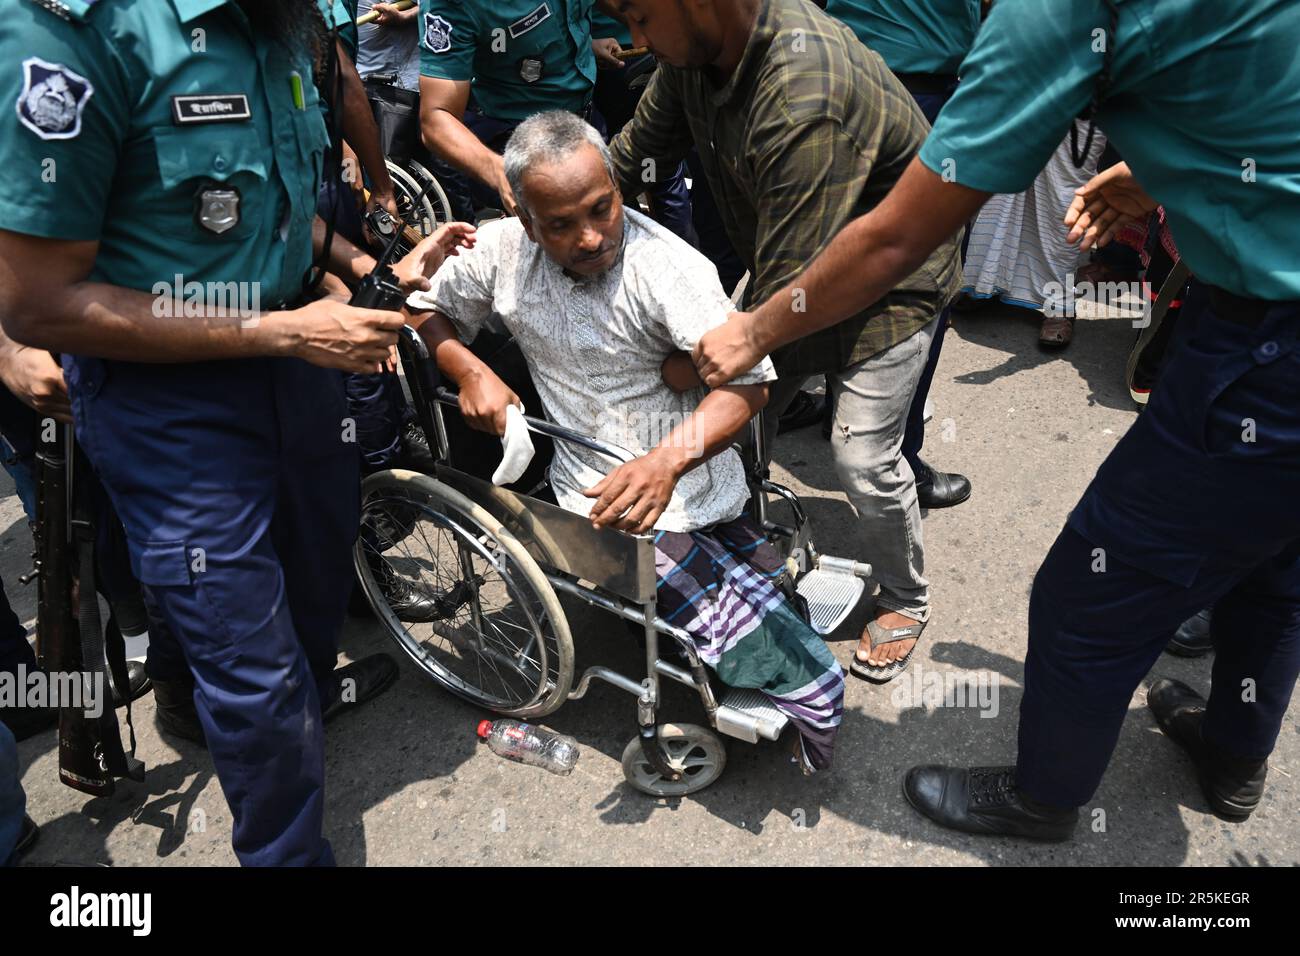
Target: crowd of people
x,y
682,207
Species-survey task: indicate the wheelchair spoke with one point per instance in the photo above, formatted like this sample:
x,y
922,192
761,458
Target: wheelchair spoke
x,y
487,636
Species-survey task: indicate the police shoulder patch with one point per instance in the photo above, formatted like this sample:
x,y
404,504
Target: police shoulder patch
x,y
437,33
52,99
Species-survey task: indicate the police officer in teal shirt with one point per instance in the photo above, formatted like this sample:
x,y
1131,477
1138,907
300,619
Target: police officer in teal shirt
x,y
1196,505
517,58
161,161
923,38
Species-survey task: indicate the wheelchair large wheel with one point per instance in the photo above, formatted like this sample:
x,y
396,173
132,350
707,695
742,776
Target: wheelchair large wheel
x,y
487,625
423,213
436,195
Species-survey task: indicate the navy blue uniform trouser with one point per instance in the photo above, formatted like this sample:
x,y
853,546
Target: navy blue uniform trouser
x,y
1196,506
914,436
376,400
616,97
13,801
709,229
239,495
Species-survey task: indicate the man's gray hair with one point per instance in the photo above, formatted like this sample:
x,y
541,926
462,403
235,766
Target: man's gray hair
x,y
547,138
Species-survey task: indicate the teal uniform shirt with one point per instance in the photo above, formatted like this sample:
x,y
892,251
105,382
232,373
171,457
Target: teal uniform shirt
x,y
136,121
337,16
1204,106
913,36
344,16
604,26
523,56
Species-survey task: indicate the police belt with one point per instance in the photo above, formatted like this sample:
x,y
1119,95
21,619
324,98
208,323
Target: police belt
x,y
927,84
1239,309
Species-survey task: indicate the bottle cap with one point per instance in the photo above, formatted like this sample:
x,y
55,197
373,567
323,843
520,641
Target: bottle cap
x,y
484,728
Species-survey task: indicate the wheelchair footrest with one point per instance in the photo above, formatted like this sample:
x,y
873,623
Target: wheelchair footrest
x,y
831,595
748,714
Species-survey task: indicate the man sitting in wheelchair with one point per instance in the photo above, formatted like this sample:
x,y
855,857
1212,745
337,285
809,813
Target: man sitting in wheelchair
x,y
606,306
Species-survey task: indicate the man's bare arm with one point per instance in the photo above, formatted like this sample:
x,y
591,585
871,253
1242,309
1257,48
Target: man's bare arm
x,y
632,497
869,256
362,133
34,378
47,301
483,396
442,108
352,264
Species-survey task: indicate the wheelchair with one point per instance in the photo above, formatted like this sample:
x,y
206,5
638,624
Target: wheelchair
x,y
495,561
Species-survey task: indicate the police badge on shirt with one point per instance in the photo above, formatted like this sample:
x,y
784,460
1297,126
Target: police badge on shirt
x,y
531,69
437,33
52,100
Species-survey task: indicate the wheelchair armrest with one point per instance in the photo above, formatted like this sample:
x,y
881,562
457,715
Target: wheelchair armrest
x,y
553,431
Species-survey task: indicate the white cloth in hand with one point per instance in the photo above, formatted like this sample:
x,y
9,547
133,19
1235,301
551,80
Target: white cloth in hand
x,y
421,301
517,448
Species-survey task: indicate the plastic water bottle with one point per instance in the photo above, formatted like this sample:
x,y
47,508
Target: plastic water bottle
x,y
530,744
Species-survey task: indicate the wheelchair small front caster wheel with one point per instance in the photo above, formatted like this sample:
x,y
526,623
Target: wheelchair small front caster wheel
x,y
694,750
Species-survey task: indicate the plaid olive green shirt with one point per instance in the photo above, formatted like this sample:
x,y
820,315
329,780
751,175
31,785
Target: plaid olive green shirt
x,y
811,131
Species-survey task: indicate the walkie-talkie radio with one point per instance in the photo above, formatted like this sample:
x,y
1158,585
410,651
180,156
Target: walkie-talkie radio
x,y
380,288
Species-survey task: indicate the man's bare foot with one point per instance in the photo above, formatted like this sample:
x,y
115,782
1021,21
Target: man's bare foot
x,y
886,653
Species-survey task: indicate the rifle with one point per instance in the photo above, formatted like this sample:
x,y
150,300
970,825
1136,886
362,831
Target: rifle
x,y
70,640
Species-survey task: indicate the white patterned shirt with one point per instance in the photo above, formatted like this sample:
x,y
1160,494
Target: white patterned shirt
x,y
595,347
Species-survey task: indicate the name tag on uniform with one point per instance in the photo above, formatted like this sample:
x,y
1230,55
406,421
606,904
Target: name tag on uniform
x,y
210,108
534,19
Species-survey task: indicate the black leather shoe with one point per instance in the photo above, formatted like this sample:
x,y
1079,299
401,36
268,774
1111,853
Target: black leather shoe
x,y
941,489
24,722
1192,638
806,409
1232,785
984,800
177,715
27,837
412,604
416,454
137,681
359,682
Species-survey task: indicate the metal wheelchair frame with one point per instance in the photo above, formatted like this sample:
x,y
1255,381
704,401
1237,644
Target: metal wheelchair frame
x,y
615,571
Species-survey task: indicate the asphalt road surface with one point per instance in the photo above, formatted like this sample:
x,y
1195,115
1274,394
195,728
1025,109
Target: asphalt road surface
x,y
407,782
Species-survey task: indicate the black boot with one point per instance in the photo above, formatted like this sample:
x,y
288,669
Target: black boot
x,y
357,683
1193,638
1232,785
806,409
940,489
177,715
985,800
416,454
137,681
412,604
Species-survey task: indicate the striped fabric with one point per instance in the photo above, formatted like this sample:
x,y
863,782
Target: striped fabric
x,y
1017,245
721,585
